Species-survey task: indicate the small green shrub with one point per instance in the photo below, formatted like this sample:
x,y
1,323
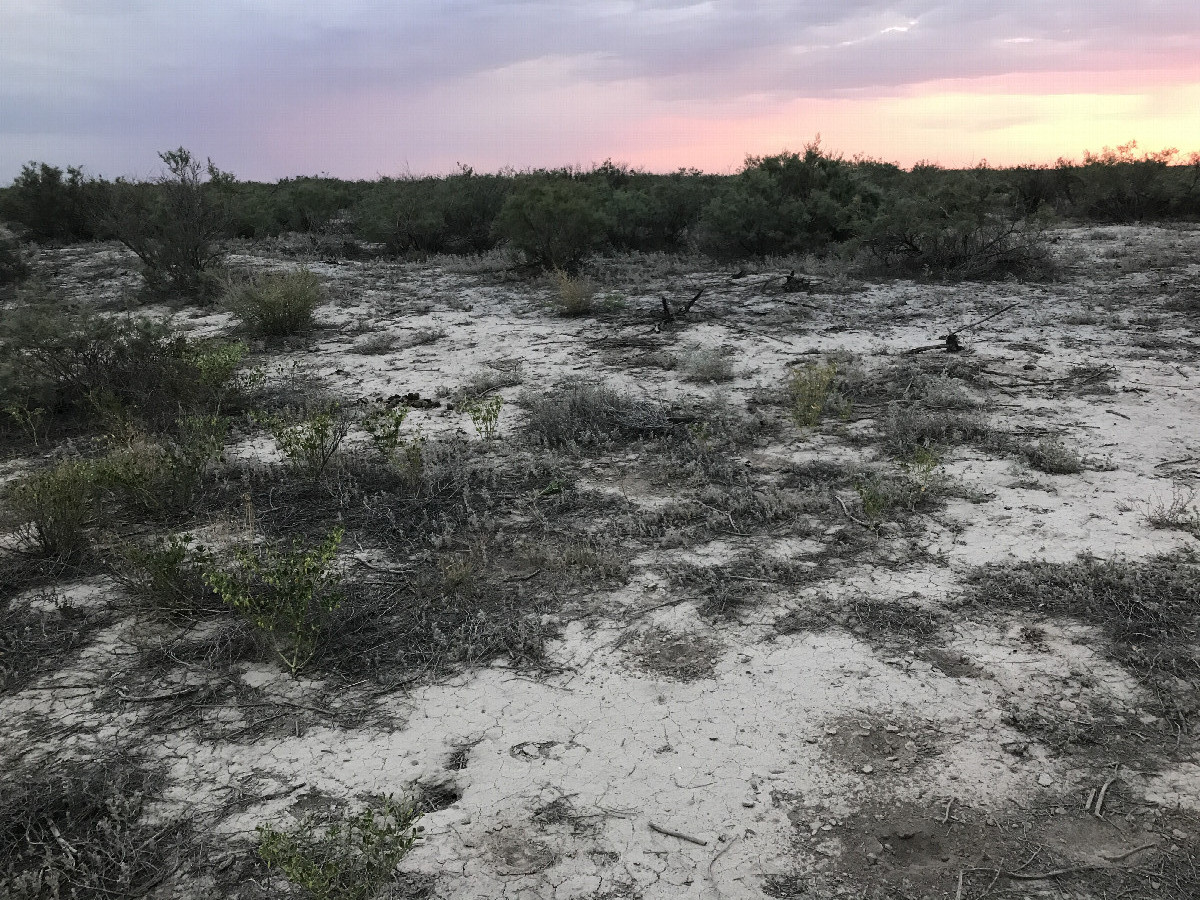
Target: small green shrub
x,y
167,576
385,427
310,442
883,494
810,389
54,507
287,592
581,412
485,416
350,859
163,477
278,305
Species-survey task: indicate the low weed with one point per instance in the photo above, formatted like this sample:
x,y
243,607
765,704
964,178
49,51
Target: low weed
x,y
485,416
287,592
277,305
348,859
385,426
167,576
1179,512
906,430
309,442
163,477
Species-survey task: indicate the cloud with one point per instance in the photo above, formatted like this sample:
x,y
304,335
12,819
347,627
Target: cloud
x,y
77,74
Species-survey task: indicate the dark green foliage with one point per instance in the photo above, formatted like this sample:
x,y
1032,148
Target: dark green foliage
x,y
554,222
13,267
956,225
174,224
50,207
433,215
785,204
112,369
1119,186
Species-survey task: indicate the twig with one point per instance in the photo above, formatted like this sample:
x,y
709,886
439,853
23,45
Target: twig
x,y
1103,792
987,318
678,834
946,819
849,516
1128,853
958,893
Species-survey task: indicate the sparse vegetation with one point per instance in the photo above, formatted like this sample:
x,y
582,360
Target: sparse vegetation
x,y
707,366
1179,512
349,858
580,412
310,440
1052,457
485,416
53,508
573,294
810,389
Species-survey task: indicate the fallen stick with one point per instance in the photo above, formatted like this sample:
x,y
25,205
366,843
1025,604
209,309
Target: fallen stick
x,y
987,318
677,834
1128,853
1100,799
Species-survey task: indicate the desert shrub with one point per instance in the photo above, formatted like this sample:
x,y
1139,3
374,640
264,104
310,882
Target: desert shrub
x,y
163,477
351,858
13,267
916,488
908,429
572,294
76,363
54,507
555,223
582,413
1178,513
173,224
957,226
50,207
788,203
309,440
1053,457
287,592
485,416
1120,186
78,830
277,305
167,576
433,215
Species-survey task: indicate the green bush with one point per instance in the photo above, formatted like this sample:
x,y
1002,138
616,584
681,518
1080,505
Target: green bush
x,y
278,305
13,267
310,441
350,859
89,365
789,203
167,576
287,592
385,427
555,223
173,224
958,226
54,507
50,207
485,415
810,389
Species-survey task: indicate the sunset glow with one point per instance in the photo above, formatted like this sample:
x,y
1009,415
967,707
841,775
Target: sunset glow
x,y
361,88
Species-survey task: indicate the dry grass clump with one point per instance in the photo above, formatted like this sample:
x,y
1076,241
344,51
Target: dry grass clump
x,y
1177,513
582,413
277,305
707,366
34,640
907,429
573,295
78,829
810,391
1053,457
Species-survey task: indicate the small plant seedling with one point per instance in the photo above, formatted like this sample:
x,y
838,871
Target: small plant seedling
x,y
350,859
30,420
285,591
922,467
385,427
485,416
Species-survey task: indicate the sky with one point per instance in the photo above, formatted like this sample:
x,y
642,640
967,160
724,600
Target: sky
x,y
363,88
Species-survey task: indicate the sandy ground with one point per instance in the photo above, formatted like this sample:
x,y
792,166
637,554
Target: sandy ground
x,y
813,762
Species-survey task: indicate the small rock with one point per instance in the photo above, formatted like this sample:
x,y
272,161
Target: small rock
x,y
749,804
1045,779
867,770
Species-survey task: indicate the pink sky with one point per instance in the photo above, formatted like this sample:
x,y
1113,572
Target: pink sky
x,y
360,88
